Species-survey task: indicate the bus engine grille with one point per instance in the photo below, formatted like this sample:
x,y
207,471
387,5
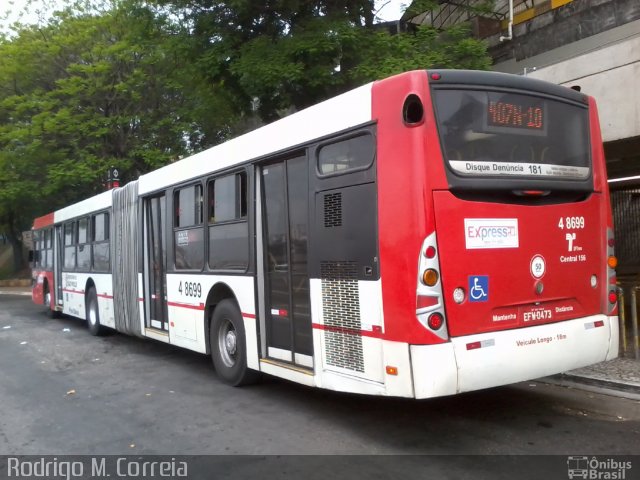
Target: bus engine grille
x,y
333,210
341,312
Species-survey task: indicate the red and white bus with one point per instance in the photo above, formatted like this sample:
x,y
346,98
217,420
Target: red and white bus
x,y
432,233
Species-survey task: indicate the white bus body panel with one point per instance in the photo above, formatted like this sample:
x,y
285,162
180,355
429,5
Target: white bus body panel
x,y
186,313
511,356
74,290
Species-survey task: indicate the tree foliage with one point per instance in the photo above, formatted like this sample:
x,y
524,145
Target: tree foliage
x,y
88,91
281,55
136,84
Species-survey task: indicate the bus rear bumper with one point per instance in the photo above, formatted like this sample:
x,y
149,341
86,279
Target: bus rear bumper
x,y
487,360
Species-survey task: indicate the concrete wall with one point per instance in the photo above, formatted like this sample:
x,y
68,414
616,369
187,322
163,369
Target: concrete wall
x,y
611,75
565,25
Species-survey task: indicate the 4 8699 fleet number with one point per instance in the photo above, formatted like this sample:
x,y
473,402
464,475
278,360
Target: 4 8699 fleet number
x,y
190,289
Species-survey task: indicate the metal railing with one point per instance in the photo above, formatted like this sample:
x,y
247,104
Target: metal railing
x,y
635,345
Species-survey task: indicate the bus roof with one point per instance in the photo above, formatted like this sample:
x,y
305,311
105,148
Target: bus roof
x,y
338,113
92,204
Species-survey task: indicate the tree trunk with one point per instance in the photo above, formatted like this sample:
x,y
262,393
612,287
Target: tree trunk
x,y
18,257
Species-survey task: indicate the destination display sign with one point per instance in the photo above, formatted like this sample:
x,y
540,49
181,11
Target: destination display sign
x,y
521,112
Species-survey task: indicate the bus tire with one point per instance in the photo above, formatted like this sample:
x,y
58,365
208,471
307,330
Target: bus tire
x,y
228,345
47,303
93,314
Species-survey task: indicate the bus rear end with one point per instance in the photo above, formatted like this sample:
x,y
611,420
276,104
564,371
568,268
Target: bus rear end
x,y
515,274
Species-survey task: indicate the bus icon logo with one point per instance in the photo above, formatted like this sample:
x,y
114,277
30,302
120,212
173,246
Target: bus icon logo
x,y
578,467
478,288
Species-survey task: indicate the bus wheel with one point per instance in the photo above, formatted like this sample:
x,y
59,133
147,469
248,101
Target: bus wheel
x,y
47,303
228,345
93,315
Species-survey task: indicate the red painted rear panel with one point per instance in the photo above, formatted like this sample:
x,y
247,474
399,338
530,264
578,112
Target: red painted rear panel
x,y
510,299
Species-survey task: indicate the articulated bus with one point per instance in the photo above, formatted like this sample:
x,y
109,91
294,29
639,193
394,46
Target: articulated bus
x,y
428,234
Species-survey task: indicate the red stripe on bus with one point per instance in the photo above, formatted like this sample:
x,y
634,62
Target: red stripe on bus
x,y
104,295
73,291
248,315
347,331
186,305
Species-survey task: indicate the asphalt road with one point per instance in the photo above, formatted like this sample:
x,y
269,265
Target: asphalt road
x,y
63,391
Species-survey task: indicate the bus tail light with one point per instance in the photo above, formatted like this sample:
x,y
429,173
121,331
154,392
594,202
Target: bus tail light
x,y
429,300
612,263
435,321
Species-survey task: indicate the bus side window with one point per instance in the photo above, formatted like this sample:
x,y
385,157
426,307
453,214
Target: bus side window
x,y
228,227
188,228
83,253
69,245
355,153
100,242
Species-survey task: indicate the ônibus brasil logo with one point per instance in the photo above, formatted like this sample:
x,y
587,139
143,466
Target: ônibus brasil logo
x,y
597,468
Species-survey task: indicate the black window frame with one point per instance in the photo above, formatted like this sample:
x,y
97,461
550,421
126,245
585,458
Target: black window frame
x,y
70,246
241,194
198,225
105,241
241,201
341,139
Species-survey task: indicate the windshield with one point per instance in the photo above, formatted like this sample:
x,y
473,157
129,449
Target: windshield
x,y
491,133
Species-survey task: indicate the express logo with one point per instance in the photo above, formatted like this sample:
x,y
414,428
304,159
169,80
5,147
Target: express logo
x,y
491,233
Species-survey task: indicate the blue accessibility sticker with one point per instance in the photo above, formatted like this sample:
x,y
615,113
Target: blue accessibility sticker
x,y
478,288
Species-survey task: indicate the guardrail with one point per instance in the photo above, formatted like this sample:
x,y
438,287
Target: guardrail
x,y
625,347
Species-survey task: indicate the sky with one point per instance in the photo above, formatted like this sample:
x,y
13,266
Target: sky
x,y
388,9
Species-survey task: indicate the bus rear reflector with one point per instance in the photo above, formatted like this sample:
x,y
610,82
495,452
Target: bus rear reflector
x,y
599,323
392,370
489,342
425,301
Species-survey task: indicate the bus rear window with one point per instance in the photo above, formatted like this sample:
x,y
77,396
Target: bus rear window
x,y
505,134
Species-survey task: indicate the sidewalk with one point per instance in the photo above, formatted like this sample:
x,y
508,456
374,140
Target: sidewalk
x,y
26,291
620,376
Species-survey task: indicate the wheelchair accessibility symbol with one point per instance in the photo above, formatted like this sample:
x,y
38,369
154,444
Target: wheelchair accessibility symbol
x,y
478,288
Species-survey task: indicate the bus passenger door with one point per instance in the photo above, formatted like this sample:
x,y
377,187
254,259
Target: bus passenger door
x,y
284,220
57,264
155,255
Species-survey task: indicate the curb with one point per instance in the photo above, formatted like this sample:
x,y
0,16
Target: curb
x,y
606,387
14,292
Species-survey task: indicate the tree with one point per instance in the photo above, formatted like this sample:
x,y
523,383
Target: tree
x,y
87,91
136,86
281,55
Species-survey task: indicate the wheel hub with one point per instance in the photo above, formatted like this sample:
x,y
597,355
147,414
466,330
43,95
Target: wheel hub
x,y
230,342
